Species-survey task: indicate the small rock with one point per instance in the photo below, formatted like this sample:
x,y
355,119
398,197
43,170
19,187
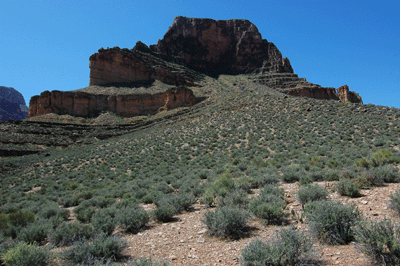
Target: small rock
x,y
182,241
364,202
201,240
202,231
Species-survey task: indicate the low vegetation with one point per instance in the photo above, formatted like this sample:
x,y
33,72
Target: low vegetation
x,y
230,152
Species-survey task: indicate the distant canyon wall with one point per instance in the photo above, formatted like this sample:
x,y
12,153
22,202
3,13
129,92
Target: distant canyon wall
x,y
91,105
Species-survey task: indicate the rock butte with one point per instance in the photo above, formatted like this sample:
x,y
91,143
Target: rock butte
x,y
191,48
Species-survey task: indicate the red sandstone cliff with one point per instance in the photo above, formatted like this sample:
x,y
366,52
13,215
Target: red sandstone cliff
x,y
90,105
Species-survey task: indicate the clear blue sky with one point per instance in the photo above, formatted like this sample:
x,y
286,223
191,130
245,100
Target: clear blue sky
x,y
46,44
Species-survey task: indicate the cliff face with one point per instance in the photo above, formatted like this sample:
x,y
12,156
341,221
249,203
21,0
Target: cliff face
x,y
12,104
91,105
220,47
204,45
115,66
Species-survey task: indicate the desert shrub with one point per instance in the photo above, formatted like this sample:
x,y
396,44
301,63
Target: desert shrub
x,y
387,172
165,213
379,240
54,211
104,220
348,187
269,204
226,221
67,233
133,218
24,254
260,177
331,175
84,213
4,222
311,192
292,173
21,218
394,202
100,201
237,197
332,222
287,247
381,157
305,179
219,187
101,248
35,232
148,262
170,205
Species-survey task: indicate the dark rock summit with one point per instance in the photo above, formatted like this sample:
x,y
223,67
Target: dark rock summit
x,y
220,47
12,104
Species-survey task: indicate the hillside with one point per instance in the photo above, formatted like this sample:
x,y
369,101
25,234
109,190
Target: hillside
x,y
255,154
250,132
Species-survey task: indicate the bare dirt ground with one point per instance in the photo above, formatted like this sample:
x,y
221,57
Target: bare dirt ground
x,y
185,241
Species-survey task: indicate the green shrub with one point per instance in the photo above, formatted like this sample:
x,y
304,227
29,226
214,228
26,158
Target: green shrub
x,y
332,222
379,240
133,218
311,192
226,221
21,218
101,248
394,202
287,247
67,233
4,222
170,205
165,213
292,173
269,204
104,220
306,179
331,175
84,213
220,187
387,172
237,197
35,232
348,187
381,157
24,254
54,211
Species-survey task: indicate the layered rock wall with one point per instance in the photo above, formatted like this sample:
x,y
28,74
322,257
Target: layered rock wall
x,y
204,45
115,67
90,105
220,47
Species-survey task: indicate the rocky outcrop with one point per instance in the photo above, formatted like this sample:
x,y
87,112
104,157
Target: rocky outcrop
x,y
316,92
204,45
124,67
346,95
12,104
84,104
220,47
